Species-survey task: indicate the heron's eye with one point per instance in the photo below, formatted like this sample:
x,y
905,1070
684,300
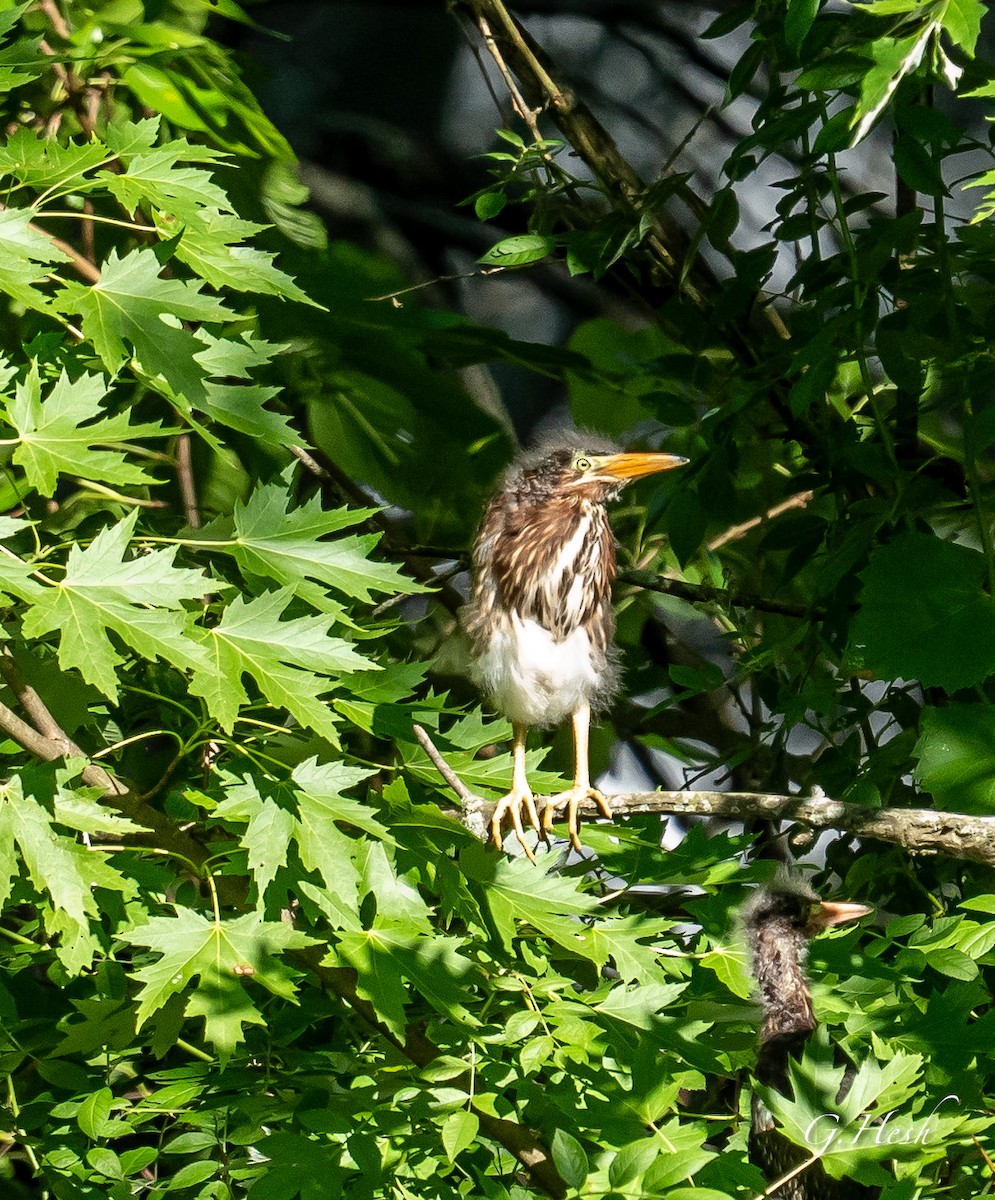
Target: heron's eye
x,y
582,464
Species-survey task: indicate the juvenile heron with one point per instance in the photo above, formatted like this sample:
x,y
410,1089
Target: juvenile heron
x,y
540,616
780,921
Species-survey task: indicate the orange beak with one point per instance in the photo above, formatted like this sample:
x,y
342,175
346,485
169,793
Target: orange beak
x,y
626,467
836,912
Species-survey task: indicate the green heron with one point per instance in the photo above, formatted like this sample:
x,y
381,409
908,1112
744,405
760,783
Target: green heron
x,y
780,920
540,616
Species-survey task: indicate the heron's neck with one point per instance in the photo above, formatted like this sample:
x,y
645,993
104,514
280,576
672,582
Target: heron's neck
x,y
785,1000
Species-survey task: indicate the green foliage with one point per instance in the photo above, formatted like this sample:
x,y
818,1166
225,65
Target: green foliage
x,y
246,948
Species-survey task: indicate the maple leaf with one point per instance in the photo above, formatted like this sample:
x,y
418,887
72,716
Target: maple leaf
x,y
281,656
210,244
223,956
44,163
548,902
268,829
57,434
136,599
132,307
58,868
276,543
152,176
320,802
26,259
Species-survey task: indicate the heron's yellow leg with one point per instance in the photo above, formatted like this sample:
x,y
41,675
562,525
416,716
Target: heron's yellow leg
x,y
520,796
581,789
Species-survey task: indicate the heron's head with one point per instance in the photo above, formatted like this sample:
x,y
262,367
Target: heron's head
x,y
595,473
790,909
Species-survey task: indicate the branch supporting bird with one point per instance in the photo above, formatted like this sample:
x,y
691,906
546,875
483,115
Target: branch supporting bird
x,y
780,920
540,616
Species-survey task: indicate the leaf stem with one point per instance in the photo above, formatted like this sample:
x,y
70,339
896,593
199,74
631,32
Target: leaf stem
x,y
860,295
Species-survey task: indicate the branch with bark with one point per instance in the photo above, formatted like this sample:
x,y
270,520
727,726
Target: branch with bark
x,y
916,830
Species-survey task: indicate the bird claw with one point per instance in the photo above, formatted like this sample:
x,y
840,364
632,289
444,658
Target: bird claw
x,y
572,800
512,804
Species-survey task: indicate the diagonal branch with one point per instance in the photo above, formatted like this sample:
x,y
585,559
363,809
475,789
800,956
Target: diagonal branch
x,y
542,89
47,740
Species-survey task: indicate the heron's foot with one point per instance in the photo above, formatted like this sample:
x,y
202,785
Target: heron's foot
x,y
512,804
572,800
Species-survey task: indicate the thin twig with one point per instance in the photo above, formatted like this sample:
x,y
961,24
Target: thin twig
x,y
184,477
47,740
705,593
471,804
444,769
55,18
799,500
528,114
415,287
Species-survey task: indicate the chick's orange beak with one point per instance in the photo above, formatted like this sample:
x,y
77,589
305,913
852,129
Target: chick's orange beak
x,y
836,912
626,467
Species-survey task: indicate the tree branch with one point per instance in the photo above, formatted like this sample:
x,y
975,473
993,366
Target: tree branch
x,y
916,830
542,89
47,740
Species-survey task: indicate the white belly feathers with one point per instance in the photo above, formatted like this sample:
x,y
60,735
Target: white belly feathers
x,y
534,679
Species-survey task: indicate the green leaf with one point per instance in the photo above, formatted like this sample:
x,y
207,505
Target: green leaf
x,y
459,1130
47,165
894,58
516,891
917,166
489,204
58,433
953,963
962,21
152,176
284,658
57,867
131,309
269,828
79,811
632,1161
279,543
223,956
570,1159
211,245
389,953
105,1162
320,799
956,757
924,614
94,1113
520,250
136,599
688,1153
640,1006
798,19
26,259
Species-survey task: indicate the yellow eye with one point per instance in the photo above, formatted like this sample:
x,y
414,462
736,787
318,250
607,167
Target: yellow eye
x,y
582,464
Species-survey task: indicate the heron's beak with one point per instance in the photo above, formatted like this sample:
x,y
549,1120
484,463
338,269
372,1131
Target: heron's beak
x,y
625,467
836,912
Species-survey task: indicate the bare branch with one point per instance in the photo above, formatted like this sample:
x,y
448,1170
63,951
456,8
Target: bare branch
x,y
472,805
916,830
185,479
